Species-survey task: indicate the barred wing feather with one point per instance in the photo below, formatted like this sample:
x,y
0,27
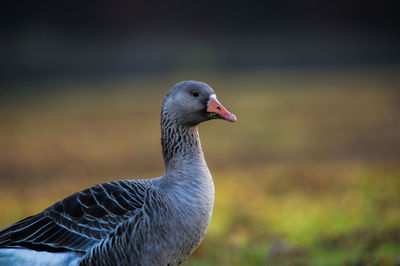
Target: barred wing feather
x,y
79,221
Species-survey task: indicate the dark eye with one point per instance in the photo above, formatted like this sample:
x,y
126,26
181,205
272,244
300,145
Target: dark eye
x,y
195,93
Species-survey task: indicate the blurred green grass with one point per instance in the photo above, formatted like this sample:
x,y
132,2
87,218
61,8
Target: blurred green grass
x,y
309,175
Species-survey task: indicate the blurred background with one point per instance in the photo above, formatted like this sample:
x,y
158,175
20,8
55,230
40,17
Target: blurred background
x,y
310,173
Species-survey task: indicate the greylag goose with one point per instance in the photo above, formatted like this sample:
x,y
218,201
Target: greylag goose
x,y
156,221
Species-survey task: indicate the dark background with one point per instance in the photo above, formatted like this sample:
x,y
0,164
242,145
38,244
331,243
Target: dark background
x,y
42,40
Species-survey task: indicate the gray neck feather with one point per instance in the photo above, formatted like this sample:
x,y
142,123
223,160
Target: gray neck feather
x,y
180,143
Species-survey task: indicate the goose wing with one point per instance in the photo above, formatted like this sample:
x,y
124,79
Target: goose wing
x,y
79,221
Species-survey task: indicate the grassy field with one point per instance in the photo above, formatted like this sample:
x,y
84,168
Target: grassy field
x,y
309,175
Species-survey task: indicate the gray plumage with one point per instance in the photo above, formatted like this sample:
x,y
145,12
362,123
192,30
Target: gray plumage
x,y
157,221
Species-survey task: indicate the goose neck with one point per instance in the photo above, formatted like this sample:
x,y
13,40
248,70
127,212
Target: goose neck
x,y
180,145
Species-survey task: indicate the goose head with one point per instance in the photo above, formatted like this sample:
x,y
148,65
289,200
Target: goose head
x,y
192,102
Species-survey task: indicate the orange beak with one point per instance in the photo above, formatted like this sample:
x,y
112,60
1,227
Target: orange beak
x,y
216,110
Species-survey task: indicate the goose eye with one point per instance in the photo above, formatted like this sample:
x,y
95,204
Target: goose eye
x,y
195,93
